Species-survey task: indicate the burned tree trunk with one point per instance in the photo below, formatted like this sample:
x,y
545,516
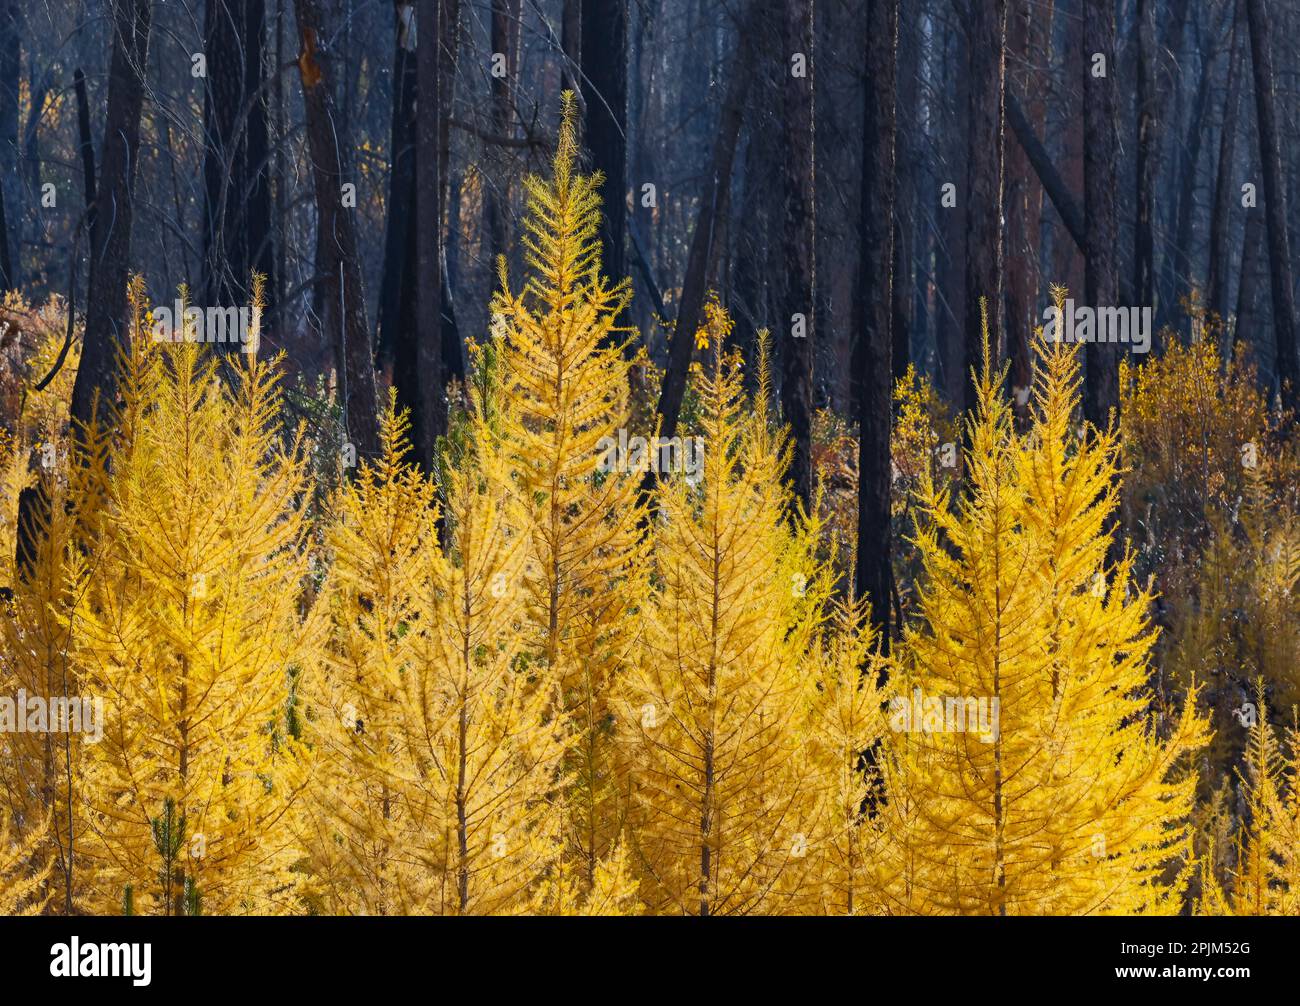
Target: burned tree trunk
x,y
504,72
875,261
703,238
417,374
987,23
1143,226
1100,150
237,193
798,238
401,184
331,171
1221,220
10,72
604,96
1275,209
95,388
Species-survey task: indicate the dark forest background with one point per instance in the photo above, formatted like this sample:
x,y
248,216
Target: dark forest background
x,y
854,176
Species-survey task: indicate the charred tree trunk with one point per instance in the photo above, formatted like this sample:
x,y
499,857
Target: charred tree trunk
x,y
1143,232
86,145
876,232
987,24
453,349
1250,318
237,192
1275,209
571,43
401,186
341,265
10,73
1217,282
798,320
1024,200
505,58
95,388
703,238
950,326
604,96
1100,151
417,373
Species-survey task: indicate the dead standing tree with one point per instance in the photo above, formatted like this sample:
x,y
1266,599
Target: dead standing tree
x,y
331,174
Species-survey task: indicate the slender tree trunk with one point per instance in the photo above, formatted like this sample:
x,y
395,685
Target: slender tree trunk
x,y
95,388
86,145
703,244
1217,283
1177,273
331,170
987,26
876,231
907,168
604,95
453,350
1024,198
10,75
1275,209
237,194
798,239
505,59
571,43
950,327
417,373
1249,319
401,185
1100,152
1143,232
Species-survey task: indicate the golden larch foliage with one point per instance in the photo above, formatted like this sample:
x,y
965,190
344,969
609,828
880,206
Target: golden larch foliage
x,y
189,629
1028,774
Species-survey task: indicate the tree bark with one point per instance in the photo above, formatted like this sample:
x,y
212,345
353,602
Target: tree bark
x,y
987,33
401,184
1100,151
798,241
1275,209
237,193
331,169
874,574
1218,281
604,95
1024,201
1143,233
86,145
417,374
504,41
95,389
571,44
713,205
10,74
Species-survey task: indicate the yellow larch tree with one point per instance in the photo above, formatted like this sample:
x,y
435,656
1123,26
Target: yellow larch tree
x,y
39,771
440,754
847,729
564,398
1266,877
190,632
726,788
1030,773
23,875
